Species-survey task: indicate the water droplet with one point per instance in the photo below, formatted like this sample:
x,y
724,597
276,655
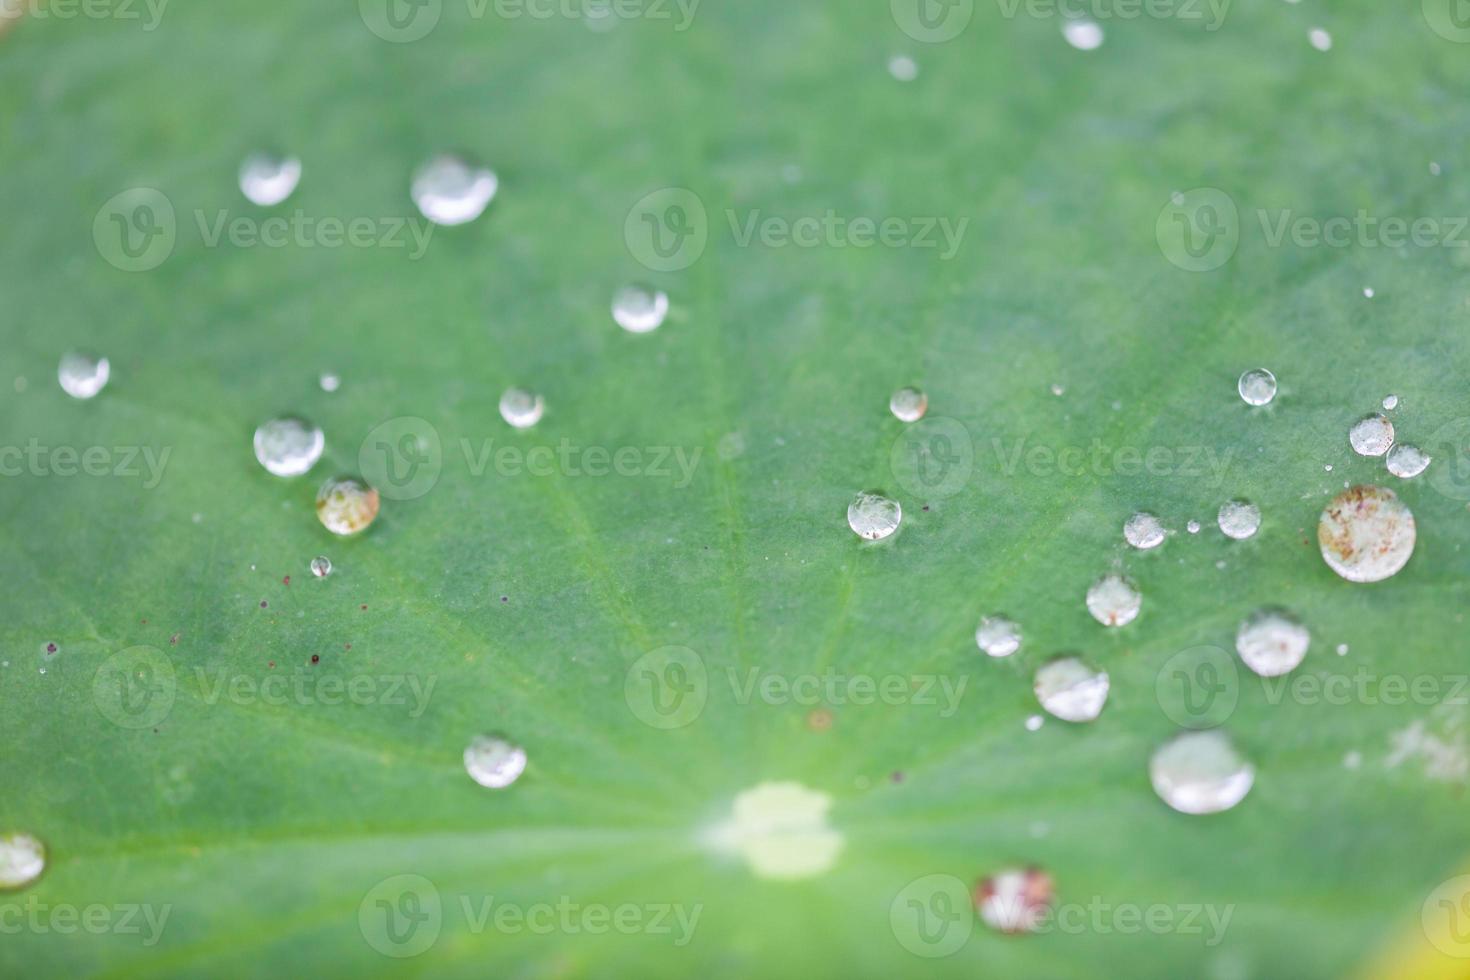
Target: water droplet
x,y
1034,723
449,191
22,859
998,636
1368,292
1071,690
903,68
1239,519
1143,531
1406,461
1015,901
1192,527
321,566
1257,387
346,505
83,375
781,830
1083,34
1434,169
1367,534
288,446
1352,760
1342,649
1113,600
1372,435
640,309
1272,642
873,516
493,761
330,382
1058,390
908,404
1320,39
521,408
267,179
1200,772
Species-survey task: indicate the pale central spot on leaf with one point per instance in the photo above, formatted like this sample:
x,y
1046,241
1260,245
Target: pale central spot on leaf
x,y
781,831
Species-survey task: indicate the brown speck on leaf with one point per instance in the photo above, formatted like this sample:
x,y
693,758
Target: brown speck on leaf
x,y
819,720
173,641
316,659
263,603
286,580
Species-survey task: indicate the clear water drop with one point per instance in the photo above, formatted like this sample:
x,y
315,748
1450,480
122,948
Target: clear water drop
x,y
82,374
1342,649
1239,519
1368,292
1372,435
640,309
1143,531
288,446
1071,690
908,404
1015,901
1113,600
329,382
1257,387
903,68
494,761
521,408
1272,642
267,179
1034,723
1083,34
346,505
1390,403
1406,461
321,566
998,636
1320,39
450,191
873,516
1435,169
1366,534
1200,772
1058,390
22,859
1192,527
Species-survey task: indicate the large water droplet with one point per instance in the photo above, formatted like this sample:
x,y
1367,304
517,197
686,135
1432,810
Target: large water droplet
x,y
1015,901
1113,600
346,505
1071,690
873,516
521,408
493,761
1239,519
1371,435
267,180
82,374
288,446
998,636
1272,642
1143,531
449,191
22,859
1083,34
1200,772
1257,387
640,309
321,566
908,404
1367,534
1406,461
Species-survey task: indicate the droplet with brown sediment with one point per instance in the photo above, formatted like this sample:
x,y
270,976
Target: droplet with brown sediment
x,y
1366,534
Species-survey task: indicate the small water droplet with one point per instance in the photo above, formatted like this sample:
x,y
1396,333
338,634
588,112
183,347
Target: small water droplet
x,y
493,761
1272,642
521,408
1200,772
1143,531
267,179
83,375
329,382
1058,390
1368,292
321,566
1366,534
873,516
1406,461
1192,527
288,446
1434,169
1257,387
1352,760
449,191
1071,690
640,309
1320,39
22,859
903,68
908,404
1342,649
1113,600
1239,519
41,670
998,636
346,505
1372,435
1015,901
1083,34
1328,467
1034,723
1390,403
